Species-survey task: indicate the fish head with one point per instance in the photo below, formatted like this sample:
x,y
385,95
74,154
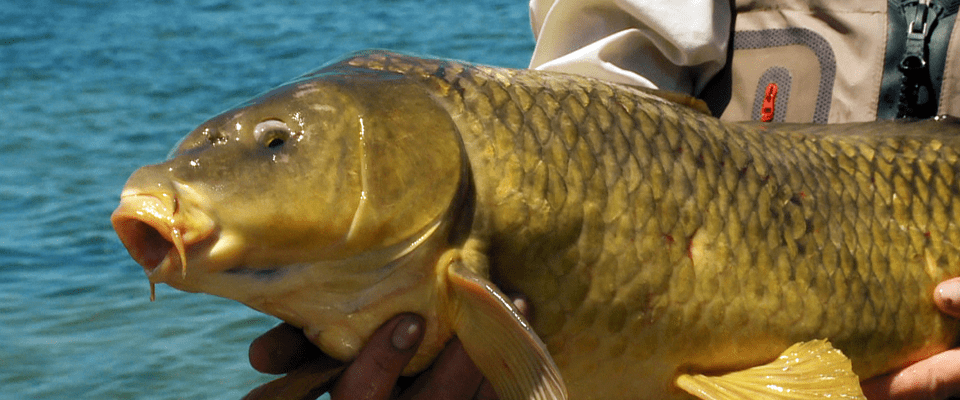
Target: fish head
x,y
323,202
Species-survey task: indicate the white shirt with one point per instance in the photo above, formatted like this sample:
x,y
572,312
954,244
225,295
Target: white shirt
x,y
675,45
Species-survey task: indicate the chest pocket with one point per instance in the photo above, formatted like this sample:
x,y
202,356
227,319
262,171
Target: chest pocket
x,y
853,62
783,75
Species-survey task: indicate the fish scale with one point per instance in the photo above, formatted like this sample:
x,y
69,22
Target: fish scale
x,y
652,239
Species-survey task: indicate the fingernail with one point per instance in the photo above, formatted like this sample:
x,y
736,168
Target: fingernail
x,y
949,293
521,305
407,333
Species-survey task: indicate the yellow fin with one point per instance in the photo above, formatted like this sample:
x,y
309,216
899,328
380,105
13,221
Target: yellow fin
x,y
679,98
500,341
806,370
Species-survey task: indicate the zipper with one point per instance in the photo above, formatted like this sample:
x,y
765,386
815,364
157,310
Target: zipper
x,y
917,95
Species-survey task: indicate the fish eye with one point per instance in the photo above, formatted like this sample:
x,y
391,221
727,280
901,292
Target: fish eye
x,y
272,133
275,142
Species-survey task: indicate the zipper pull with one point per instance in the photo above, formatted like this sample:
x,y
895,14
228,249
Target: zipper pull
x,y
915,56
769,102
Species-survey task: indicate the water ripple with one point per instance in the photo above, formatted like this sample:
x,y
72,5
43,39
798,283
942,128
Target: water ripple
x,y
94,89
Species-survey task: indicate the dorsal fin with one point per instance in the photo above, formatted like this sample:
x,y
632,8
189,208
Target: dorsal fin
x,y
678,98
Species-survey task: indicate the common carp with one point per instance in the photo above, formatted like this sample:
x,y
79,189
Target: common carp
x,y
663,251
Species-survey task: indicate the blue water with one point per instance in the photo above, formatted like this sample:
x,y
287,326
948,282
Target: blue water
x,y
91,90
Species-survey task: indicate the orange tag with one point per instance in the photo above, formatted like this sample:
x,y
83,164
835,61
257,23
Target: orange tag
x,y
769,99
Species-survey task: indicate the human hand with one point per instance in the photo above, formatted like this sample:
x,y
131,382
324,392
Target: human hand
x,y
374,374
937,377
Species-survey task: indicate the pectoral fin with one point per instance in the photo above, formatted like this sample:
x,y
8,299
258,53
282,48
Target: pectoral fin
x,y
500,341
806,370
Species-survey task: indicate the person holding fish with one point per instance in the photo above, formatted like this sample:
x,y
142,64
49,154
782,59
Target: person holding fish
x,y
778,62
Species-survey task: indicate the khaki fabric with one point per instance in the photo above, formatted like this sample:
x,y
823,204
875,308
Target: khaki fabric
x,y
855,33
950,90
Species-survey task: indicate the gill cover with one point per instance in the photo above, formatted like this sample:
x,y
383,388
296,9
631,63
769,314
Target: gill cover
x,y
411,160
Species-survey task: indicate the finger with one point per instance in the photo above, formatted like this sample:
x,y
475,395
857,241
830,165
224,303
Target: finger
x,y
307,382
486,392
281,350
947,297
937,377
452,376
374,373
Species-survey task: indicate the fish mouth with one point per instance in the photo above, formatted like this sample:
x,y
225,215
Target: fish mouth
x,y
155,235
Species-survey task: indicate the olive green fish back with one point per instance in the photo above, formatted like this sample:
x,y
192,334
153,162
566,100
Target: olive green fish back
x,y
652,238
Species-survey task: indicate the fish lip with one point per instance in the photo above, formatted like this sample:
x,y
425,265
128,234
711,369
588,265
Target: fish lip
x,y
153,235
